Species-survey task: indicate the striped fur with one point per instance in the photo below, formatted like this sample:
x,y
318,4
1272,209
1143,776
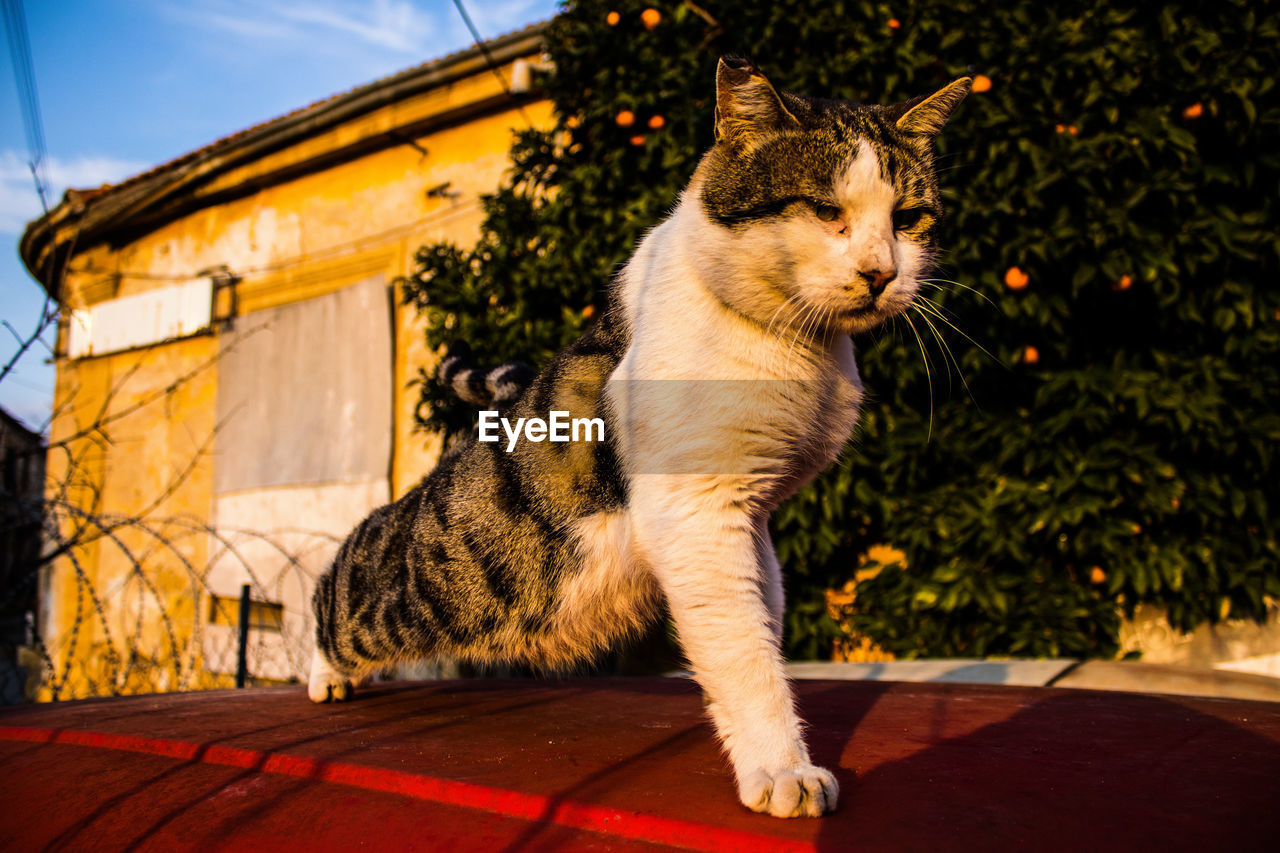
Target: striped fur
x,y
474,561
724,371
498,386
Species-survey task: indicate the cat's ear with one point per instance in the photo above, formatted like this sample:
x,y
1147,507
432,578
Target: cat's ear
x,y
925,116
746,102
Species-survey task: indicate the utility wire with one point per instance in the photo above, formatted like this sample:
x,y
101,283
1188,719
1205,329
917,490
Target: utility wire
x,y
15,25
488,57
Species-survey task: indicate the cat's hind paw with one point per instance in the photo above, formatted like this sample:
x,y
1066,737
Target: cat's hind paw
x,y
326,684
805,791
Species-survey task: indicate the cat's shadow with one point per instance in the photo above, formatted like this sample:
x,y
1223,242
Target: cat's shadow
x,y
1069,770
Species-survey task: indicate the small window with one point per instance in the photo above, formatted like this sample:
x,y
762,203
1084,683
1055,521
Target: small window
x,y
263,615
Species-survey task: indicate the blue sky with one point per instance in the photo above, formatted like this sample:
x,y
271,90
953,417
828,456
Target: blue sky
x,y
124,86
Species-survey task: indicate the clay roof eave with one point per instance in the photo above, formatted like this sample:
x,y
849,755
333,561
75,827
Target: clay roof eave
x,y
142,203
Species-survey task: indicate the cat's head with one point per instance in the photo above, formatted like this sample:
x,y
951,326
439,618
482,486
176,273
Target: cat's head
x,y
825,212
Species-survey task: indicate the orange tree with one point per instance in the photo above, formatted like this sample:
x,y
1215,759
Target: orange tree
x,y
1112,245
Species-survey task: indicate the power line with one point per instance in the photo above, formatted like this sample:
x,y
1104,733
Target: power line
x,y
15,25
488,57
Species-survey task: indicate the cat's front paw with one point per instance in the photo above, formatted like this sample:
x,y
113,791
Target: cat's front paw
x,y
805,791
326,684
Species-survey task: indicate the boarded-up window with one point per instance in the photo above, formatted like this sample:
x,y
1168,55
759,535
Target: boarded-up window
x,y
303,453
304,393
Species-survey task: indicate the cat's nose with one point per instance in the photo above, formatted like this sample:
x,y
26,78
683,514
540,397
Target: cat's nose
x,y
877,280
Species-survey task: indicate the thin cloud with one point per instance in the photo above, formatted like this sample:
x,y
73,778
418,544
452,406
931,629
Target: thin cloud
x,y
396,25
495,19
240,25
19,203
385,23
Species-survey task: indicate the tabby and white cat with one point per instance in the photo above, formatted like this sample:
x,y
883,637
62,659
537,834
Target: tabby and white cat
x,y
808,220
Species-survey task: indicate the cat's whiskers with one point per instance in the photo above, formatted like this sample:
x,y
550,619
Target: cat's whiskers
x,y
799,332
885,328
830,333
928,374
936,310
768,327
946,350
775,318
946,163
820,334
938,282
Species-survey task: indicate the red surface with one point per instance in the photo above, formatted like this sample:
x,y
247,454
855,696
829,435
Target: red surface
x,y
629,764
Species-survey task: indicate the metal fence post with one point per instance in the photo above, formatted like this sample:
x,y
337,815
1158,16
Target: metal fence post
x,y
242,651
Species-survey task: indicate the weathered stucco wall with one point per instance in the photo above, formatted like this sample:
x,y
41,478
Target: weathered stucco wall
x,y
1233,644
311,240
130,473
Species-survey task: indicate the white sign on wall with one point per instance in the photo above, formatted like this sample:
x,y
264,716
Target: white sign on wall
x,y
164,314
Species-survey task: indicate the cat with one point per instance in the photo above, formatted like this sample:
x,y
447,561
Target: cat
x,y
723,369
497,387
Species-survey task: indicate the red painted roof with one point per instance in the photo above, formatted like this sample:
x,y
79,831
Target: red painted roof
x,y
630,764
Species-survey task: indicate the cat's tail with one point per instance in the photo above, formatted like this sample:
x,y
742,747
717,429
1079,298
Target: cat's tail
x,y
499,386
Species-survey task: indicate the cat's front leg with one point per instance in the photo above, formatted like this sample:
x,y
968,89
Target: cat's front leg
x,y
708,564
771,578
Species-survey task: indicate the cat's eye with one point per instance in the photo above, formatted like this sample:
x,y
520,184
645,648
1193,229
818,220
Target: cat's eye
x,y
827,212
908,218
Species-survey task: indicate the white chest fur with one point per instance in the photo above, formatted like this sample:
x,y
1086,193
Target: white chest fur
x,y
706,389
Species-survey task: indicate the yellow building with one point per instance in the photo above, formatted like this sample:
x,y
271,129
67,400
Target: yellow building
x,y
233,379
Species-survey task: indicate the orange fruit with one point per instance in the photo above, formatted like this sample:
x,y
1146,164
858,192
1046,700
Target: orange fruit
x,y
1071,129
981,83
894,23
650,18
612,19
1016,279
1194,111
1031,355
625,118
1097,575
657,123
1124,283
588,312
638,139
886,555
1137,528
1060,128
